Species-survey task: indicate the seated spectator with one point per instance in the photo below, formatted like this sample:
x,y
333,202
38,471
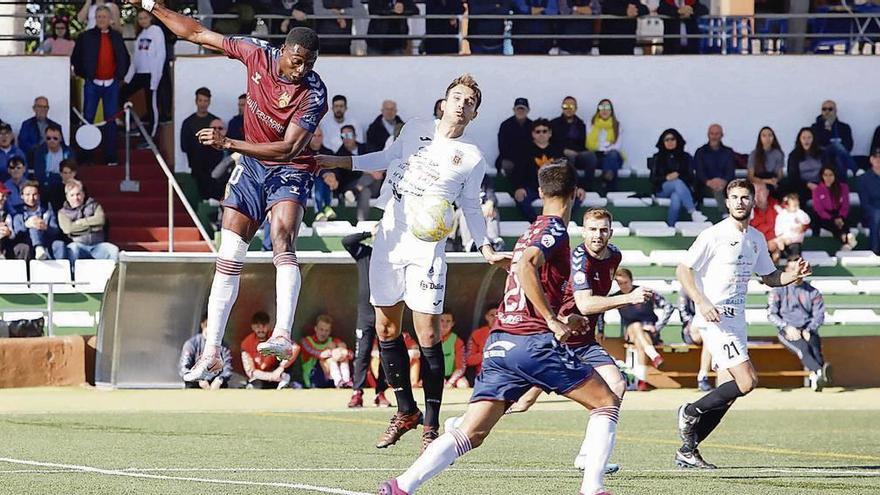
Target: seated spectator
x,y
577,46
570,134
332,124
201,158
16,170
235,127
831,204
538,9
791,223
354,186
766,161
489,206
325,359
341,25
55,192
222,163
672,176
453,353
33,130
264,371
8,149
10,247
476,343
715,166
487,27
629,10
680,16
691,335
146,68
798,310
325,183
47,158
395,23
438,109
513,135
192,351
834,138
640,324
804,164
82,220
383,126
58,42
524,178
764,219
869,199
38,224
603,146
448,26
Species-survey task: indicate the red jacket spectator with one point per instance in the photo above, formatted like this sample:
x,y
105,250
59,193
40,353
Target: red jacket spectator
x,y
765,220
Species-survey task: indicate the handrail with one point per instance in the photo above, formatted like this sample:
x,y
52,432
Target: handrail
x,y
173,187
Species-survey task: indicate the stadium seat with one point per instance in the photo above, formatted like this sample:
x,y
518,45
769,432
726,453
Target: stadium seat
x,y
505,200
844,287
336,228
651,229
858,258
634,258
756,316
691,229
657,285
857,316
642,173
710,203
611,318
870,287
81,319
13,272
667,257
854,199
630,202
741,173
593,200
827,233
619,229
757,287
623,173
366,225
819,258
512,228
56,272
664,202
91,276
305,230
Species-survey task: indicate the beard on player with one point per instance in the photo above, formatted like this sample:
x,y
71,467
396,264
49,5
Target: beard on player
x,y
744,213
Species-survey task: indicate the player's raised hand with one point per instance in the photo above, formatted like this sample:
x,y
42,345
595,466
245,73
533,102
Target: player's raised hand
x,y
211,137
708,310
640,295
560,330
495,258
803,269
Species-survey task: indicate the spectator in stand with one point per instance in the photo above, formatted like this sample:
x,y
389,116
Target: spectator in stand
x,y
570,134
835,139
395,23
513,136
797,311
146,69
672,176
88,14
16,172
766,161
201,158
192,350
715,166
488,203
583,45
869,199
764,219
453,354
640,324
341,25
603,146
235,127
831,204
357,186
291,13
8,149
524,178
630,9
326,182
680,16
33,130
538,9
875,141
476,343
692,335
10,247
55,193
791,223
804,164
47,158
487,27
449,26
82,220
221,164
39,224
384,126
59,42
100,57
325,358
332,124
438,109
264,371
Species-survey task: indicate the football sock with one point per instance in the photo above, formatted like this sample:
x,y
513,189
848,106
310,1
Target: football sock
x,y
717,399
335,374
395,361
640,371
709,421
439,455
651,352
433,368
287,284
701,375
599,442
345,371
224,288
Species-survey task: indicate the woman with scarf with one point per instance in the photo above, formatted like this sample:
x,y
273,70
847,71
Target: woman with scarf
x,y
672,176
603,143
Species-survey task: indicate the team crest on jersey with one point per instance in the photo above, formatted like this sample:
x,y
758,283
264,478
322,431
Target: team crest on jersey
x,y
456,158
256,78
548,240
284,99
580,277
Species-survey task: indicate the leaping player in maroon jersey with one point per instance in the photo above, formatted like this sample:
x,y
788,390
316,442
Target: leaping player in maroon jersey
x,y
286,100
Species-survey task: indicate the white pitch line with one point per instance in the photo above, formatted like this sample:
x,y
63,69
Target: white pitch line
x,y
36,471
114,472
820,471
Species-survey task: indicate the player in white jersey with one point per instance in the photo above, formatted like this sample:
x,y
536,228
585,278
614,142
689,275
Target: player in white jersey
x,y
431,163
715,274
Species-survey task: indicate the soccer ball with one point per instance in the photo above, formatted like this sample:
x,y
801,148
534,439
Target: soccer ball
x,y
429,218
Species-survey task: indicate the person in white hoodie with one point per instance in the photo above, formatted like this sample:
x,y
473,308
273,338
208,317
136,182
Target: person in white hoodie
x,y
146,71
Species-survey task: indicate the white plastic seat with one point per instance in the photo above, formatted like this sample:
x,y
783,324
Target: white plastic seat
x,y
667,257
651,229
55,271
834,286
13,271
612,195
623,173
757,287
594,202
611,318
756,316
504,199
634,258
91,276
870,287
710,203
72,319
305,230
619,229
512,228
336,228
741,173
691,229
819,258
858,258
657,285
366,225
664,202
856,316
854,199
642,173
630,202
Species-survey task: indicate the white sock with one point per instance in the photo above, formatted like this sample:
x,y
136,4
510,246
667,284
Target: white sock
x,y
641,371
334,372
345,369
438,456
287,284
224,288
599,442
651,352
702,374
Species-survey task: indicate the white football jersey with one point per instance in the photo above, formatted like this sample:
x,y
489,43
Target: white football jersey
x,y
420,163
724,259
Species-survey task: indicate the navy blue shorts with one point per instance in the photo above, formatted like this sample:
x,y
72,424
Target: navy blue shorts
x,y
594,354
512,364
253,188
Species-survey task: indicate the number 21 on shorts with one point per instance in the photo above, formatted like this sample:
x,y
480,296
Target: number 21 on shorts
x,y
731,349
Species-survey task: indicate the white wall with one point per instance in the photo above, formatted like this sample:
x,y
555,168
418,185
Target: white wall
x,y
24,78
743,93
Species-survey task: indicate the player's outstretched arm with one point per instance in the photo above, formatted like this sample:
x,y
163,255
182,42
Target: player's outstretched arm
x,y
181,25
526,270
780,278
685,275
588,304
332,161
295,139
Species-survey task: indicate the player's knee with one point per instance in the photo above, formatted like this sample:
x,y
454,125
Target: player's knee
x,y
232,246
386,331
618,387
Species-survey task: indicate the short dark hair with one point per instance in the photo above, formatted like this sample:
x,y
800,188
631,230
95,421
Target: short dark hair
x,y
557,179
347,126
341,98
304,37
624,272
541,122
242,96
260,318
466,80
740,183
204,317
54,127
204,92
69,163
15,161
31,183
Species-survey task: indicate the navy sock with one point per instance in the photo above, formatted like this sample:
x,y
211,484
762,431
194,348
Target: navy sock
x,y
433,373
395,360
716,399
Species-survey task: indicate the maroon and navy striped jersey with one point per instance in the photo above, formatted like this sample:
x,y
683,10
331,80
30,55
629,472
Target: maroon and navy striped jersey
x,y
595,275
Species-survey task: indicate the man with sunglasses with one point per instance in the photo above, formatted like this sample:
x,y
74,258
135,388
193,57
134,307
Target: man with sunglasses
x,y
541,151
16,172
570,132
8,149
835,138
33,130
47,158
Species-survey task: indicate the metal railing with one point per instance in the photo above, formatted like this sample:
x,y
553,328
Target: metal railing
x,y
173,186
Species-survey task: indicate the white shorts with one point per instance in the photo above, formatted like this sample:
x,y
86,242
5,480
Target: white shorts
x,y
404,268
726,341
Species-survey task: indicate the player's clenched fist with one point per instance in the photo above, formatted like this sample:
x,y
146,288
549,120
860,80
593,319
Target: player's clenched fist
x,y
560,330
211,137
640,295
